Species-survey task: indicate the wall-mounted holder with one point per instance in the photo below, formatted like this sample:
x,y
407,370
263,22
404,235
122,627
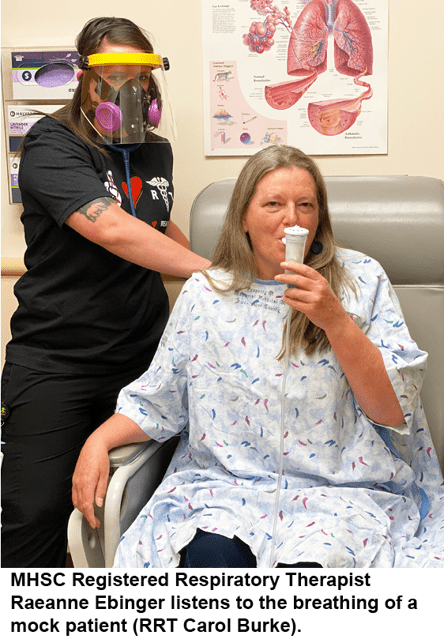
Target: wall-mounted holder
x,y
33,80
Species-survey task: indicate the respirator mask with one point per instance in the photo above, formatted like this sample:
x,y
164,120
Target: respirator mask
x,y
124,98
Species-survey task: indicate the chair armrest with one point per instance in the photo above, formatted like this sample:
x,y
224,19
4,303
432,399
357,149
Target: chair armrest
x,y
130,488
123,455
85,543
136,471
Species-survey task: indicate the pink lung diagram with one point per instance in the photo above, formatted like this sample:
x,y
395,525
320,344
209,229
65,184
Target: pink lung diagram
x,y
307,57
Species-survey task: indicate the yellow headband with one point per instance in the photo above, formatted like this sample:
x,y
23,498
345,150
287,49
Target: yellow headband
x,y
146,59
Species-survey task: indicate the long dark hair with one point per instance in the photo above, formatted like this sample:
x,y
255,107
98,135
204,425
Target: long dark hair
x,y
119,31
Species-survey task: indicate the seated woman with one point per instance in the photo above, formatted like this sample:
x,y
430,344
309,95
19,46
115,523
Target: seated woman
x,y
314,450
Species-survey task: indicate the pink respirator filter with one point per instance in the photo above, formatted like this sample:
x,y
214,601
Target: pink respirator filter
x,y
109,116
154,113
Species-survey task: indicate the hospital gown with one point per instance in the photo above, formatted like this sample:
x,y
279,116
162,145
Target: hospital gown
x,y
351,494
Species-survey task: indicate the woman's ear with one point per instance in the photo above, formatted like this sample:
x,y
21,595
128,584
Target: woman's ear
x,y
79,73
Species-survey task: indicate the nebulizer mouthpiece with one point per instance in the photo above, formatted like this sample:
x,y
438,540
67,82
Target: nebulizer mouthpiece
x,y
294,240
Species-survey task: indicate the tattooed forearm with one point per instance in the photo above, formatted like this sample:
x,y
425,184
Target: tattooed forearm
x,y
94,209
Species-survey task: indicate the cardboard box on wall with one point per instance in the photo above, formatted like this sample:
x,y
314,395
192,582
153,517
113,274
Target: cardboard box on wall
x,y
44,75
21,118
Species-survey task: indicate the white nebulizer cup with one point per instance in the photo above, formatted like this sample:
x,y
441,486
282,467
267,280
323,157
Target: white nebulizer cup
x,y
295,237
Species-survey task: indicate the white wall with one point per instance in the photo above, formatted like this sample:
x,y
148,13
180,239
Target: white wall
x,y
416,89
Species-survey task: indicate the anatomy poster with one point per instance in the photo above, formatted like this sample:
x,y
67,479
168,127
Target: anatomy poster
x,y
309,73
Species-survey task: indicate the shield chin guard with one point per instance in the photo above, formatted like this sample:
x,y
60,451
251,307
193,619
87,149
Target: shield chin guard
x,y
124,98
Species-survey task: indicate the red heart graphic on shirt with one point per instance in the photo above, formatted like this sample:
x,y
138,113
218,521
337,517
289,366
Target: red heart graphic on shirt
x,y
136,189
154,223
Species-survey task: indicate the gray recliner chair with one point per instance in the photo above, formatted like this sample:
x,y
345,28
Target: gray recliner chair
x,y
399,221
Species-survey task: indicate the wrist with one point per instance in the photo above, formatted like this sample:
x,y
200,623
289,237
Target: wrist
x,y
100,440
339,326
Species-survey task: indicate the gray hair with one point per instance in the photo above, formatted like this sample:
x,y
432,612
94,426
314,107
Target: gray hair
x,y
234,252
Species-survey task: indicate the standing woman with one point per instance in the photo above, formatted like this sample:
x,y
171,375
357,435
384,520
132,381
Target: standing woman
x,y
96,184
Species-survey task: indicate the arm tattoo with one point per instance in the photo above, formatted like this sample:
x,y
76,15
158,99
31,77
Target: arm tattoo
x,y
94,209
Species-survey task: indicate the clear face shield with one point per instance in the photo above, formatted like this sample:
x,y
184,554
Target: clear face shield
x,y
125,100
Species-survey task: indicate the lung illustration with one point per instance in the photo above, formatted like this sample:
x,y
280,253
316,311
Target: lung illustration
x,y
307,58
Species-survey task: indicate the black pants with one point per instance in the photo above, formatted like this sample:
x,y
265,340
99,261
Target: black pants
x,y
50,417
210,550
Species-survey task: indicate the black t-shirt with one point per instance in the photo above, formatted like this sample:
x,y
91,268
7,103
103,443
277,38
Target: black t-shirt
x,y
81,308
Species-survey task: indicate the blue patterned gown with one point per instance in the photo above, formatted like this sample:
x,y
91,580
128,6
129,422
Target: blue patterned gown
x,y
352,494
